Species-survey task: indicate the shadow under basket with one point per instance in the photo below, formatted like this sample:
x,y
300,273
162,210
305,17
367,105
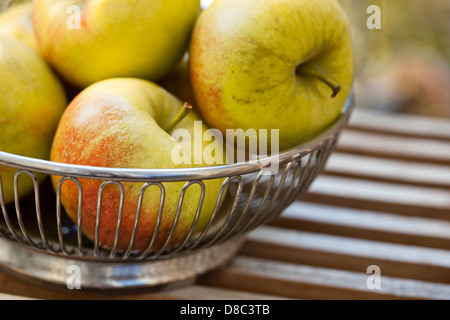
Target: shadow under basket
x,y
39,242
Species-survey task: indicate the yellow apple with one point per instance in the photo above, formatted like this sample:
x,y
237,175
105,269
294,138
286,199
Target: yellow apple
x,y
89,41
127,123
16,22
32,101
272,64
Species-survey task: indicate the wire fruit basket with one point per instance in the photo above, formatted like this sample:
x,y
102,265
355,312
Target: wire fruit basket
x,y
39,242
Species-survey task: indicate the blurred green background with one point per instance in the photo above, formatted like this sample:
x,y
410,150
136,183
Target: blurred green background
x,y
404,67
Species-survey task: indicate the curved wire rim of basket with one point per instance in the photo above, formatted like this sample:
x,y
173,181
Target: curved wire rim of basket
x,y
176,174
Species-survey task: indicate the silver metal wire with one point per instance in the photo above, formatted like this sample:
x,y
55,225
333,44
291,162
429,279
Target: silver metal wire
x,y
247,198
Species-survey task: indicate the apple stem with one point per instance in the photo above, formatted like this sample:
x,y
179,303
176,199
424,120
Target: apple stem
x,y
185,110
332,84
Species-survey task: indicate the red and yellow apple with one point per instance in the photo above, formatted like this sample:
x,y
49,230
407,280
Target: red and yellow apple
x,y
89,41
272,64
32,101
127,123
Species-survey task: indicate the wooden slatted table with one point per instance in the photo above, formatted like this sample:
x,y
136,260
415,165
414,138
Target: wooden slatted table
x,y
383,200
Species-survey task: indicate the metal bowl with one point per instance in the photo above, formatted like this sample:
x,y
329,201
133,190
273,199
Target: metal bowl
x,y
39,241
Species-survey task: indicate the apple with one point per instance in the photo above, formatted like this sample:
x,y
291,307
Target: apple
x,y
178,82
128,123
16,21
90,41
272,64
32,102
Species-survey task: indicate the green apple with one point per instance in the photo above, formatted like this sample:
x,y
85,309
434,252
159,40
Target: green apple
x,y
272,64
32,101
128,123
16,22
89,41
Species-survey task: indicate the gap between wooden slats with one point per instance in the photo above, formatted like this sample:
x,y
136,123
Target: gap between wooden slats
x,y
377,196
365,224
402,125
345,253
305,282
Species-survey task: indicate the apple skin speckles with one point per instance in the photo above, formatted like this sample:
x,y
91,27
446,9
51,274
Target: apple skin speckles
x,y
116,123
116,38
250,51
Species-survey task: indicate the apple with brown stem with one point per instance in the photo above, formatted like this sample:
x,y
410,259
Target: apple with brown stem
x,y
128,123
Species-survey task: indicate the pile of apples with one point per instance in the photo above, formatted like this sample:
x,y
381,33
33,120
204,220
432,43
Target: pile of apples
x,y
128,67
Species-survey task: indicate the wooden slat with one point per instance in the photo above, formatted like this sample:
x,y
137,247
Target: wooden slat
x,y
4,297
388,170
18,289
388,192
365,224
394,147
304,282
14,286
349,253
369,220
401,125
197,292
378,196
403,209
